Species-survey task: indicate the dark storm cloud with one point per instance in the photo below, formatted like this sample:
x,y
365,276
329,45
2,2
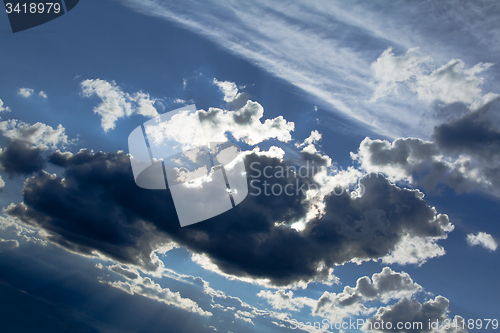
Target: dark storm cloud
x,y
476,134
98,207
21,158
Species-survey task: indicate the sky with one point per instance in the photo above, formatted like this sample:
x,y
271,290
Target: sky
x,y
390,109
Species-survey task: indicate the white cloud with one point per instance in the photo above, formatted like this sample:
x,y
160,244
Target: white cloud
x,y
244,124
42,94
146,287
39,134
281,300
384,286
116,103
415,250
3,107
304,54
482,239
229,89
450,83
25,92
299,43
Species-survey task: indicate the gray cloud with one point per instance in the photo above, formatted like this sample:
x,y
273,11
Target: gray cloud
x,y
464,156
8,244
21,158
476,134
98,207
383,286
412,313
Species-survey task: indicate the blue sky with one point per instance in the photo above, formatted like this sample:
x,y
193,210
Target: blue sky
x,y
399,100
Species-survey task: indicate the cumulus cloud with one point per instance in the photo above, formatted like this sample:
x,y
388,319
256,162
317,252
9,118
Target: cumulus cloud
x,y
42,94
3,107
116,103
21,158
25,92
464,156
482,239
39,134
229,89
244,124
381,287
26,145
416,316
110,215
415,250
450,83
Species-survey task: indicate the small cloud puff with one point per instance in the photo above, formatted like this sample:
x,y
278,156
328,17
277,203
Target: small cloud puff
x,y
482,239
25,92
3,107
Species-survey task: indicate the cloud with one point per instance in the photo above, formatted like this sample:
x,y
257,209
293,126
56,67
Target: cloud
x,y
464,155
146,287
383,286
26,145
39,134
416,316
299,44
244,124
8,244
281,300
229,89
42,94
3,107
390,71
25,92
21,158
116,103
482,239
110,215
450,83
414,250
476,134
130,274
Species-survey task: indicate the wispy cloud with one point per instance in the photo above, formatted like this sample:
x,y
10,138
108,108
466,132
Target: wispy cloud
x,y
325,49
